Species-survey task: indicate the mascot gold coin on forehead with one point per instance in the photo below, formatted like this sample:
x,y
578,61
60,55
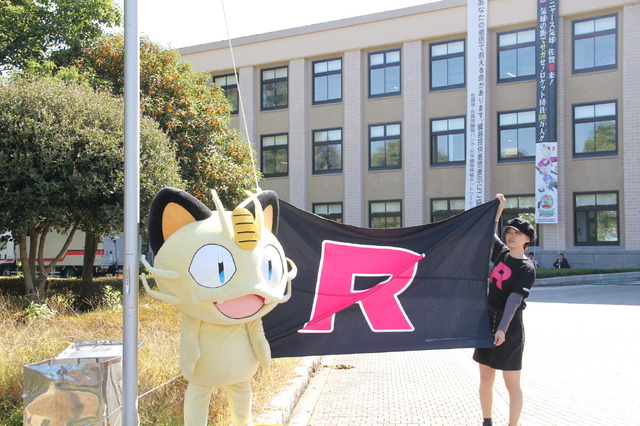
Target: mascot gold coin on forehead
x,y
224,271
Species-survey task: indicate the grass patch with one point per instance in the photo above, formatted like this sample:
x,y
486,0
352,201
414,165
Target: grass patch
x,y
553,272
35,333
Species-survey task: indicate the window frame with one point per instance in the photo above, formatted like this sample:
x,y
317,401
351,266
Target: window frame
x,y
275,148
449,213
325,74
605,207
276,80
516,47
594,120
448,56
593,35
386,214
386,139
385,66
229,87
434,135
517,126
518,211
315,144
333,217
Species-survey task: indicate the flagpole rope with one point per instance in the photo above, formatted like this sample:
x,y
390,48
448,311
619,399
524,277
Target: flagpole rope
x,y
159,386
240,101
104,419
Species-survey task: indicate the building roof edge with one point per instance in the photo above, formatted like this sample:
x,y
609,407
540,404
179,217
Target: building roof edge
x,y
324,26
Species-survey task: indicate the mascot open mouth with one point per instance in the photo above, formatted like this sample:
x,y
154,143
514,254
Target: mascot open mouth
x,y
241,307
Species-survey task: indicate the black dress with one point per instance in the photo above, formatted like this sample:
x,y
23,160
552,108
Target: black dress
x,y
509,275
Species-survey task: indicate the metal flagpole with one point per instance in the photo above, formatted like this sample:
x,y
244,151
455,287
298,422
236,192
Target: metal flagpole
x,y
131,212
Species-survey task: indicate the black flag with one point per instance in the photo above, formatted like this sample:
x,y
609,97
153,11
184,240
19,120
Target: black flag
x,y
362,290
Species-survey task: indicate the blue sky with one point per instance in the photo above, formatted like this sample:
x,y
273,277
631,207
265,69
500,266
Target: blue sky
x,y
189,22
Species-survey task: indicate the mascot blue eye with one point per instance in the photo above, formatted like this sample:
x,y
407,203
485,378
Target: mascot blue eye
x,y
221,271
212,266
272,265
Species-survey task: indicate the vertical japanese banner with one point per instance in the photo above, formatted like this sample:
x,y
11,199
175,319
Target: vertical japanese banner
x,y
476,85
546,112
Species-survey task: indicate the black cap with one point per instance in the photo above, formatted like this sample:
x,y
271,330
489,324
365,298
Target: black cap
x,y
523,226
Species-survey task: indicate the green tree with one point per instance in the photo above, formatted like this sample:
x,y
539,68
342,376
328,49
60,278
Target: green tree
x,y
603,138
33,30
194,113
61,150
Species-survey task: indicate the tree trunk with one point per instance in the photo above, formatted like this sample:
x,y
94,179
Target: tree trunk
x,y
30,261
27,271
89,296
43,271
47,270
33,257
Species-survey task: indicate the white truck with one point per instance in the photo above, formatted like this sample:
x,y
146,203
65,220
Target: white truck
x,y
109,255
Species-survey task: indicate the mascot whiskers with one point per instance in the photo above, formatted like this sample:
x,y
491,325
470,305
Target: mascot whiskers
x,y
224,271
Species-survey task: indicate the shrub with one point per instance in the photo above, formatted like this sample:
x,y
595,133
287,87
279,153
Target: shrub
x,y
553,272
40,311
67,291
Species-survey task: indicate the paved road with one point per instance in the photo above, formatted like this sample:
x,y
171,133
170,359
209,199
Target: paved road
x,y
581,367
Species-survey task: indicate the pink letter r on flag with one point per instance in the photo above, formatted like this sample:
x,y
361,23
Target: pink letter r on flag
x,y
340,264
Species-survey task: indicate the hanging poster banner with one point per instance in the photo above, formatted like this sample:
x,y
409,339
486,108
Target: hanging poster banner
x,y
546,112
476,86
547,182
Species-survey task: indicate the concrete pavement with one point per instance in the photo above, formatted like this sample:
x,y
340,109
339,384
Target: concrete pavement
x,y
581,367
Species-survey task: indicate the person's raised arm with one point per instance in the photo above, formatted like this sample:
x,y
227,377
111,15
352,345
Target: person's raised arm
x,y
503,201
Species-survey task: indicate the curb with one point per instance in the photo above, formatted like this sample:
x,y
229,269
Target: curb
x,y
282,405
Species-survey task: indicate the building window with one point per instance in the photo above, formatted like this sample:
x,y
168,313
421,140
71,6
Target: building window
x,y
596,219
517,135
385,214
274,151
331,211
384,146
327,150
594,129
327,81
384,73
447,65
516,57
595,44
229,85
445,208
523,206
275,88
448,141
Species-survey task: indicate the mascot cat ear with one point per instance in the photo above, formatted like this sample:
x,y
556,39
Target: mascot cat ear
x,y
170,210
270,209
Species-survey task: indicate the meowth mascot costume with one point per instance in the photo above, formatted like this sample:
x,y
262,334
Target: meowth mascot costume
x,y
224,271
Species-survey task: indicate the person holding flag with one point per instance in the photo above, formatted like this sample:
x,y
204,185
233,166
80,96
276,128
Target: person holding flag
x,y
510,281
